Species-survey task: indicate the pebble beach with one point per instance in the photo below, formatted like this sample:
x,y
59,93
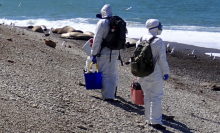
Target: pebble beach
x,y
43,89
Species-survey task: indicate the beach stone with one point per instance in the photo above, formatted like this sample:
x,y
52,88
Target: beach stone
x,y
10,61
66,29
37,29
82,127
90,125
50,43
215,88
9,39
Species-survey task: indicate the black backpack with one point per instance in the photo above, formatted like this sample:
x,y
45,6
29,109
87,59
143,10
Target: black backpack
x,y
116,37
142,61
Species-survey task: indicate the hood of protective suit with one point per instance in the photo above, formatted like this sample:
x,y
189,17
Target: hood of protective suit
x,y
106,11
150,23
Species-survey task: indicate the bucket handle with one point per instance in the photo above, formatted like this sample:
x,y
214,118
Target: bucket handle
x,y
132,86
90,66
133,82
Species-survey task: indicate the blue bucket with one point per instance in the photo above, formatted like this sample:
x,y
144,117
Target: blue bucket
x,y
93,80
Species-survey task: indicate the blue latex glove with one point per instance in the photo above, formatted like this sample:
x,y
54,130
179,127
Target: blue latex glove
x,y
166,76
94,59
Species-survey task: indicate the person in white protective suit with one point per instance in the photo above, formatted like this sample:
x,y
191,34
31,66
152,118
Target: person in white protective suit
x,y
107,63
152,85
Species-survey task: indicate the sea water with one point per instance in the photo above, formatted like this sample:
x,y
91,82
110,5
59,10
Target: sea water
x,y
192,22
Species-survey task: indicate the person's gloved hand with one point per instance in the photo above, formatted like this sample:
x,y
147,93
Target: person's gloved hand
x,y
94,59
166,76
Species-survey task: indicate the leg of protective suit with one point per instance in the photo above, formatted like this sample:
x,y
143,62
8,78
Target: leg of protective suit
x,y
109,75
153,93
116,72
147,104
156,109
116,76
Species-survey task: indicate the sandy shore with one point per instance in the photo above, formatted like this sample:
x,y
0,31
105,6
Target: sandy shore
x,y
42,90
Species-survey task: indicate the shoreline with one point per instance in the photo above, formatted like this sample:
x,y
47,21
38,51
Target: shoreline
x,y
178,46
188,48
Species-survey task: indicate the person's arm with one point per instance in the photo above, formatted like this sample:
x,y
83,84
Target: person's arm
x,y
99,36
162,60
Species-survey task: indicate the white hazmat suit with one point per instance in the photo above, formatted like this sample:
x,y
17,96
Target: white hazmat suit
x,y
152,85
106,65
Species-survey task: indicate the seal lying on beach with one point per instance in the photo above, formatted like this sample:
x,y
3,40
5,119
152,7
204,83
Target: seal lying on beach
x,y
76,35
89,33
66,29
37,29
56,30
44,28
130,42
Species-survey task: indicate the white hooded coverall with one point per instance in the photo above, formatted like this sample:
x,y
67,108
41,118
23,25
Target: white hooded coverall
x,y
105,66
152,85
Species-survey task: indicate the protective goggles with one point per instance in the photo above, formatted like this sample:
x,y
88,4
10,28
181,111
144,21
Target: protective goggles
x,y
160,27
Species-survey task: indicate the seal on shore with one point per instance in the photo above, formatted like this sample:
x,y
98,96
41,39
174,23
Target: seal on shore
x,y
56,30
66,29
37,29
130,42
76,35
89,33
44,28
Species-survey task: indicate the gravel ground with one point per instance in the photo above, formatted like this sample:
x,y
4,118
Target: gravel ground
x,y
42,90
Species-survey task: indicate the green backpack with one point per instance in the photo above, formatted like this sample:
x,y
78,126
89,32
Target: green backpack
x,y
142,61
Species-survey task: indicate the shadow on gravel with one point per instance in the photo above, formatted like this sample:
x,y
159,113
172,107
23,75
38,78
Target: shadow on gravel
x,y
130,107
204,119
174,124
126,105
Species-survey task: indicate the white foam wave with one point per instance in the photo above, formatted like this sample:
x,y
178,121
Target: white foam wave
x,y
193,28
79,24
213,54
201,39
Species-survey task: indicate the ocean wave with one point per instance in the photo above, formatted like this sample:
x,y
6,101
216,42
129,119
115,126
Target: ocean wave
x,y
193,28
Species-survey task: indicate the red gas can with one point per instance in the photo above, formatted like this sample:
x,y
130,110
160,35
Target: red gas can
x,y
137,94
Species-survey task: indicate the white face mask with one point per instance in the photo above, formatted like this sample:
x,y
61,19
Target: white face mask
x,y
159,32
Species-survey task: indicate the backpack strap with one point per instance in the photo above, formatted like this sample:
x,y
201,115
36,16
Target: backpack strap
x,y
110,56
141,39
99,54
103,39
119,58
151,40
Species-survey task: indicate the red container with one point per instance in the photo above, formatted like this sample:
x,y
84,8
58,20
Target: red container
x,y
137,95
